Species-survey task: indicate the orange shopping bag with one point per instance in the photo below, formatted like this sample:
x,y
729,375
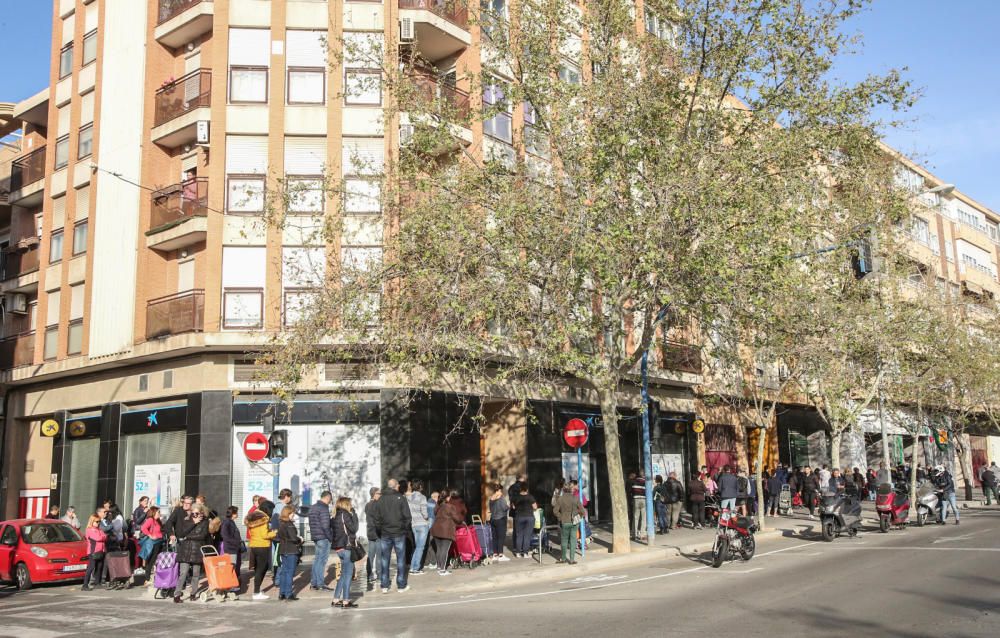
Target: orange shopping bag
x,y
219,571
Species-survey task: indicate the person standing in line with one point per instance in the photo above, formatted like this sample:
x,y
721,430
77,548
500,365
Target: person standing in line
x,y
420,523
810,488
432,502
319,531
513,492
567,508
232,544
140,513
990,483
675,500
729,490
639,506
95,548
344,530
696,493
446,520
289,543
392,521
498,511
374,563
284,500
177,514
660,503
193,533
54,512
773,493
524,522
261,535
150,540
70,518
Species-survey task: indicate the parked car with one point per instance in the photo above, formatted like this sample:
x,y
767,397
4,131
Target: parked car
x,y
41,551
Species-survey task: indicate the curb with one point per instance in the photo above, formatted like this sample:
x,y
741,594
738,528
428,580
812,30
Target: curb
x,y
637,557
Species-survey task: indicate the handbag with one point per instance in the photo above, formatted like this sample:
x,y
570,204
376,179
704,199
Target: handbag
x,y
357,551
95,555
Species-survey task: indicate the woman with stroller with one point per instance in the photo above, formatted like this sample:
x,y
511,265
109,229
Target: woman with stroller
x,y
446,519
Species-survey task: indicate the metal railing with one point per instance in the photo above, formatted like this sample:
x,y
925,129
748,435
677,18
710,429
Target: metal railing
x,y
429,88
19,262
175,314
454,11
17,351
172,8
178,202
183,95
27,169
682,357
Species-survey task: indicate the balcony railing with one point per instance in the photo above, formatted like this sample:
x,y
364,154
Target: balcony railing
x,y
178,202
27,169
682,357
19,262
429,88
175,314
453,11
171,8
183,95
17,351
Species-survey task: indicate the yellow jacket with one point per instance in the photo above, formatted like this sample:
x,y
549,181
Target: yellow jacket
x,y
257,529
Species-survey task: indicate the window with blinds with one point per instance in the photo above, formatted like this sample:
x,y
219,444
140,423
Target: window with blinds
x,y
249,58
246,167
305,163
363,52
243,278
306,62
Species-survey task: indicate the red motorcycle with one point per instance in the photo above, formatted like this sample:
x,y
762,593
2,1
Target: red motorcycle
x,y
893,507
735,536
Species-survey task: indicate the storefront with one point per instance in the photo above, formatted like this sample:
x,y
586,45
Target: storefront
x,y
79,449
152,452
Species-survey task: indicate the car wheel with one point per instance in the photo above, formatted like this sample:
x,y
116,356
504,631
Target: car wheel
x,y
23,577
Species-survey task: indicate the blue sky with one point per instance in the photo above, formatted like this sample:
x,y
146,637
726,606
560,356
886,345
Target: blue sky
x,y
952,50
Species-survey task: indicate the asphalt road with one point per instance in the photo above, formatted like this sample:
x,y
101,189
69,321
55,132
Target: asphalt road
x,y
941,581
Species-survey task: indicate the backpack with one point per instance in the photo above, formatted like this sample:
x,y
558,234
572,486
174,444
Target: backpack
x,y
743,485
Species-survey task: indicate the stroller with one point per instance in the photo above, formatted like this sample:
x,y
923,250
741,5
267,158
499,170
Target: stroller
x,y
785,500
539,536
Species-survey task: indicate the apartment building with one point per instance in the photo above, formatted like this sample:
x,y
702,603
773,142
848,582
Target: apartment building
x,y
138,272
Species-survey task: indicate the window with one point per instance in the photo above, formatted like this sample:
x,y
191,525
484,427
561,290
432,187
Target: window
x,y
245,194
89,47
80,238
56,246
536,141
659,27
305,159
363,88
62,152
66,61
243,308
494,15
499,124
362,196
569,74
74,344
360,258
248,84
920,230
298,304
305,194
362,61
168,379
86,145
306,86
51,342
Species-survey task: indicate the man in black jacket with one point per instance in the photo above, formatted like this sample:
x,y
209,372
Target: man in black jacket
x,y
989,480
374,551
513,493
392,524
675,500
944,482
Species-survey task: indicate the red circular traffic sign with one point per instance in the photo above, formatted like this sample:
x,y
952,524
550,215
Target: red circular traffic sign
x,y
576,433
256,447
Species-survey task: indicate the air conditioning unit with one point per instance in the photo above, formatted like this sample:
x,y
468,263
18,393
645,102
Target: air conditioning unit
x,y
406,30
18,303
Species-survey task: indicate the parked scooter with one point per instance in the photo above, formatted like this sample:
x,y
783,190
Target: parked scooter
x,y
735,537
893,506
928,502
839,513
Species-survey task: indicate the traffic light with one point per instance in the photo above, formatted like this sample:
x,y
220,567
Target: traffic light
x,y
278,442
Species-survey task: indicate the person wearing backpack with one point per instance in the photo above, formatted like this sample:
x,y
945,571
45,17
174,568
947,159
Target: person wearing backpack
x,y
568,510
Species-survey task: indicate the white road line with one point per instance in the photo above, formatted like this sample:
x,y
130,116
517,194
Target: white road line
x,y
925,549
618,583
737,571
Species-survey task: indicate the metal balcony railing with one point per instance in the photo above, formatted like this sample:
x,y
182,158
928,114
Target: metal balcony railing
x,y
19,262
17,351
453,11
183,95
175,314
429,88
27,169
178,202
172,8
682,357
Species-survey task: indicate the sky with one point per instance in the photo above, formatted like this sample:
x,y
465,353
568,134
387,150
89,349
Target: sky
x,y
950,47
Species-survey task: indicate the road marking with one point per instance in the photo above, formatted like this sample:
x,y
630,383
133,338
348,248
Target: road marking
x,y
927,549
738,571
555,592
579,580
963,537
31,632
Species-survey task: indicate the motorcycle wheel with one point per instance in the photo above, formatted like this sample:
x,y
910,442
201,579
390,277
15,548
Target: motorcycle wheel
x,y
749,547
829,532
720,552
921,517
883,523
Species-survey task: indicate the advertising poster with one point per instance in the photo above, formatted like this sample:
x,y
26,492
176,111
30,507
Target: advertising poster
x,y
161,483
664,464
569,470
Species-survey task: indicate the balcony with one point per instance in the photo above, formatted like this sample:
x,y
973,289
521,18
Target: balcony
x,y
17,351
175,314
179,105
978,279
20,268
977,235
27,178
440,28
178,215
181,21
430,89
452,104
681,357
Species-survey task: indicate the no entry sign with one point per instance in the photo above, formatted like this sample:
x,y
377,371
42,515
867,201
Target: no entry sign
x,y
256,447
576,433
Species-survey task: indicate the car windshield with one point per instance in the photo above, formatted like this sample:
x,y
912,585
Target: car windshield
x,y
45,533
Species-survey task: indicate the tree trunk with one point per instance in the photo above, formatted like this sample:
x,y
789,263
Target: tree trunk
x,y
963,447
761,445
621,539
914,458
835,438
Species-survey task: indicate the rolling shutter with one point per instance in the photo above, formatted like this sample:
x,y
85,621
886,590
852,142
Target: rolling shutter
x,y
249,47
306,48
305,155
363,156
246,154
